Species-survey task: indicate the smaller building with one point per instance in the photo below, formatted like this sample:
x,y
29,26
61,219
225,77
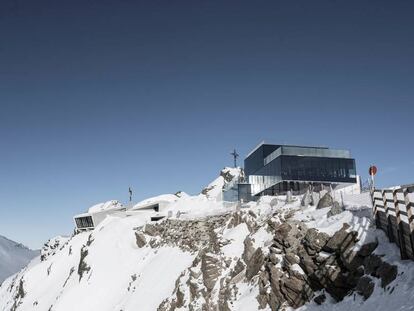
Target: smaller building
x,y
90,220
154,209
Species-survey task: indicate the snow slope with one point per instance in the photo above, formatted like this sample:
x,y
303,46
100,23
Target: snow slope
x,y
13,257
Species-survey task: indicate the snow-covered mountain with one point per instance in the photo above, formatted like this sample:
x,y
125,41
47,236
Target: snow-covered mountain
x,y
13,257
277,253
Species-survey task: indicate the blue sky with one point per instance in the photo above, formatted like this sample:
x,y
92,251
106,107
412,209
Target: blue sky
x,y
97,96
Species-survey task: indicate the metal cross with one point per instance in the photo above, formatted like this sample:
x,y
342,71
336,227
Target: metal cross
x,y
235,156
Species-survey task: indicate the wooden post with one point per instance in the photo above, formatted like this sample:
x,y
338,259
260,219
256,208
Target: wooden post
x,y
400,228
374,205
408,205
389,224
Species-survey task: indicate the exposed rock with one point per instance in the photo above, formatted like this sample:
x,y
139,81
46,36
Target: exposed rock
x,y
273,202
367,249
211,269
248,249
228,177
296,291
335,210
255,263
290,259
140,239
365,286
282,233
315,240
273,223
289,197
351,260
307,199
83,266
387,273
276,298
341,240
320,299
238,268
372,263
274,259
325,201
150,229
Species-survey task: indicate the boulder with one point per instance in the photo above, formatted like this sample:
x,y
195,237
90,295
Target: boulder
x,y
238,268
275,276
320,299
296,291
248,249
254,264
140,239
289,197
273,258
341,240
335,210
372,263
307,199
211,270
150,229
351,260
387,273
325,201
273,202
281,234
290,259
367,249
365,287
315,240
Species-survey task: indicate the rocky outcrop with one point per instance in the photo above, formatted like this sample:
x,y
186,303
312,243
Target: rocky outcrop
x,y
325,201
329,263
189,235
297,263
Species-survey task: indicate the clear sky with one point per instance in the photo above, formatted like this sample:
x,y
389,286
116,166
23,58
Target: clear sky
x,y
97,96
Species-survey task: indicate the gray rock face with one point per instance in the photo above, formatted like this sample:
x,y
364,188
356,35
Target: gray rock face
x,y
325,201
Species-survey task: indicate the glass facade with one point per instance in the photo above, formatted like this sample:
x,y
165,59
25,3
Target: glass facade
x,y
269,165
84,222
255,160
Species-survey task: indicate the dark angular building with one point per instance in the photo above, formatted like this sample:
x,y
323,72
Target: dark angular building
x,y
275,169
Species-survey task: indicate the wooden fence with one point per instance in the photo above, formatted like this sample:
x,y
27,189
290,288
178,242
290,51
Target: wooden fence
x,y
392,211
